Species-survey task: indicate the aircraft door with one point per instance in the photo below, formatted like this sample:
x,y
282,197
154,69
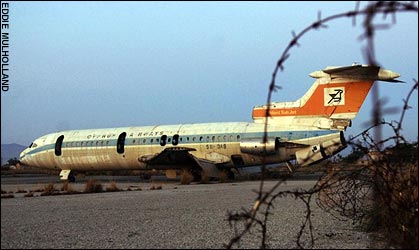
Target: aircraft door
x,y
120,143
58,145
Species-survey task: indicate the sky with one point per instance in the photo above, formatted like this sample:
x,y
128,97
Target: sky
x,y
82,65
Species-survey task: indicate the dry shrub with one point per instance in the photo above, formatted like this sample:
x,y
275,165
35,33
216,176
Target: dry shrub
x,y
204,178
65,186
112,187
186,177
49,190
30,194
68,189
37,190
396,213
223,176
8,196
93,186
382,197
156,187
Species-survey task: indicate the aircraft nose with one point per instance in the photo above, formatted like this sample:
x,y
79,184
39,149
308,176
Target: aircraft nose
x,y
23,158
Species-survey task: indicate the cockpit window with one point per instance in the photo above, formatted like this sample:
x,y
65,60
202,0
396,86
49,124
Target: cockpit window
x,y
34,145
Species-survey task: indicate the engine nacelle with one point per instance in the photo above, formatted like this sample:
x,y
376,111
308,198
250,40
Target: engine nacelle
x,y
309,155
256,146
321,151
334,146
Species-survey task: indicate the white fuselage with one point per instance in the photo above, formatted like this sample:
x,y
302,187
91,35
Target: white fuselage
x,y
97,149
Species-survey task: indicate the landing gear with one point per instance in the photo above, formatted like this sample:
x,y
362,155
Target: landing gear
x,y
230,175
72,177
189,175
197,175
290,167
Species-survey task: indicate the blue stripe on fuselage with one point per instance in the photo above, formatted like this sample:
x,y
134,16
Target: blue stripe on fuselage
x,y
283,135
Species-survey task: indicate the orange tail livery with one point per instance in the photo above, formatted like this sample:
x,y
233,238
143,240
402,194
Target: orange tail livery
x,y
332,101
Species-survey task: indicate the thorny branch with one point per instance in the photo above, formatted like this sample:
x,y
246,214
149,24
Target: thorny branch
x,y
339,191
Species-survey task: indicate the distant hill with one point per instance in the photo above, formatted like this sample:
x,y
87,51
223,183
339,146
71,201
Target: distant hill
x,y
9,151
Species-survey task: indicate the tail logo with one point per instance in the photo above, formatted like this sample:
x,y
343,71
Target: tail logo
x,y
334,96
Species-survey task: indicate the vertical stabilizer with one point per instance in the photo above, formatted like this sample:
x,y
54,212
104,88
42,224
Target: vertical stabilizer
x,y
331,102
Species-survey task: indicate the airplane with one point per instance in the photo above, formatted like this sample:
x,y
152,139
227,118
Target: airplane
x,y
305,131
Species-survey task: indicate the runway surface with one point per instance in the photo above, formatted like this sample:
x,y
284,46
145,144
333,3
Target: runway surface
x,y
175,216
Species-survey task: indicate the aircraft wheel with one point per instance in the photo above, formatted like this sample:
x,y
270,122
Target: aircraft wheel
x,y
230,175
196,175
71,177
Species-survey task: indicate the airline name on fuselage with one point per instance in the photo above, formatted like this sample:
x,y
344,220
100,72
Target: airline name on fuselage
x,y
140,134
283,112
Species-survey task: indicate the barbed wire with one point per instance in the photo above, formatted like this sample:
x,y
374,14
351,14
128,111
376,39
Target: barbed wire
x,y
339,191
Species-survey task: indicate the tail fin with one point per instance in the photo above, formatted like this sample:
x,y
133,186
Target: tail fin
x,y
331,102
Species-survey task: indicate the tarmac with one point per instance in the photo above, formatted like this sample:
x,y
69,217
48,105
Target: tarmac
x,y
161,214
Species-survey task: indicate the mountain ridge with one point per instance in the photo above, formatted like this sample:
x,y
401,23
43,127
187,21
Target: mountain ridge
x,y
10,151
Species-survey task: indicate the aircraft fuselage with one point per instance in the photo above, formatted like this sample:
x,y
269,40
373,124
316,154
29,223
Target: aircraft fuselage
x,y
128,147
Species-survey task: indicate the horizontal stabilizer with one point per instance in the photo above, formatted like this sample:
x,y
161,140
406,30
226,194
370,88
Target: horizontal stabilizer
x,y
361,72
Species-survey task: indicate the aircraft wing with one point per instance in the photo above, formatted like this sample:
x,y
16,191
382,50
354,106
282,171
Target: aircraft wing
x,y
292,145
178,158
